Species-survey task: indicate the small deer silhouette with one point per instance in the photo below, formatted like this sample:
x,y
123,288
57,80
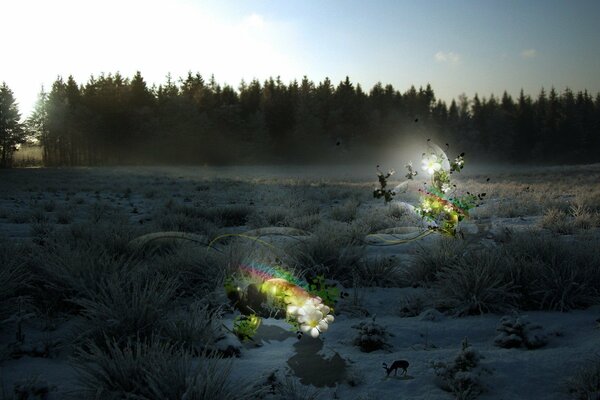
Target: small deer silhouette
x,y
403,364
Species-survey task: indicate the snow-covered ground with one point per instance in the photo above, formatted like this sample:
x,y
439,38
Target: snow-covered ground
x,y
36,203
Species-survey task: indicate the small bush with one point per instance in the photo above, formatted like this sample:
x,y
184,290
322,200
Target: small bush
x,y
461,376
517,332
371,336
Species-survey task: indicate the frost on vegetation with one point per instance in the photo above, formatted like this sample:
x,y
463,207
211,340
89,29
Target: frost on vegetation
x,y
290,388
461,376
197,328
432,259
126,305
576,217
152,369
584,384
345,212
519,332
412,305
553,275
475,284
379,272
330,250
14,278
371,336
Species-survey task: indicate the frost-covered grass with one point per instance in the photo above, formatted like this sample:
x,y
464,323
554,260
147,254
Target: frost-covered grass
x,y
70,279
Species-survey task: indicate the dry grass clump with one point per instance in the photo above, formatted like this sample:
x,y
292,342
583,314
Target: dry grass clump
x,y
272,216
379,272
196,327
151,369
331,250
577,217
126,305
557,221
290,389
585,383
197,268
531,272
475,284
305,222
112,234
431,259
345,212
14,279
181,222
231,215
374,220
553,274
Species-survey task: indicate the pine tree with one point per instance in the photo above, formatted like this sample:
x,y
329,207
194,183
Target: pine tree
x,y
12,133
37,124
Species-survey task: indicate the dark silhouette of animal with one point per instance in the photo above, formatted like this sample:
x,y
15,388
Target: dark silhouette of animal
x,y
402,364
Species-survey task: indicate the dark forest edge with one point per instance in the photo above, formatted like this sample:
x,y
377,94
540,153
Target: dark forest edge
x,y
116,120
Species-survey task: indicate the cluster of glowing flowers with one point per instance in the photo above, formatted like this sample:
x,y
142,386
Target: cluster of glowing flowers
x,y
313,316
431,163
307,312
426,205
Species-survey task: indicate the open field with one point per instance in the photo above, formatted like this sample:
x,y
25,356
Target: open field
x,y
84,314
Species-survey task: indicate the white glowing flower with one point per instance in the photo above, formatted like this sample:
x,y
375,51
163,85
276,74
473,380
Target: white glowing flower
x,y
313,317
448,208
426,206
446,187
431,163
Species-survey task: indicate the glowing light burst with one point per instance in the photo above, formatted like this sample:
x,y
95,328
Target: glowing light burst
x,y
442,206
266,272
281,289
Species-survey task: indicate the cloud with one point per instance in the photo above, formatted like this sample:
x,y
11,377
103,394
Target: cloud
x,y
447,57
528,53
254,21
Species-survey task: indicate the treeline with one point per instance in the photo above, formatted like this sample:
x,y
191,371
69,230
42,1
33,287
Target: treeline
x,y
114,120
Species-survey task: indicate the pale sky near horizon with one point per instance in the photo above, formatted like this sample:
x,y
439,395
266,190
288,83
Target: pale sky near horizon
x,y
462,46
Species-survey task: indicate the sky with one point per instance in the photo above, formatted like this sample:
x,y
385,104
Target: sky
x,y
459,46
